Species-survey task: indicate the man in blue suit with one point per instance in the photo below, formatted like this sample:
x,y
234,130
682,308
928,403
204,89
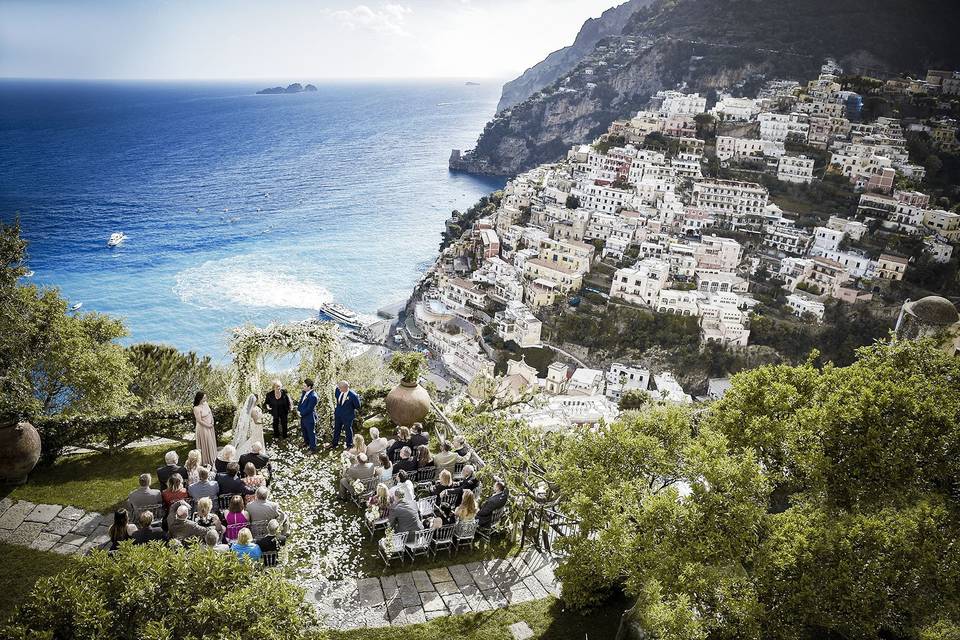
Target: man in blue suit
x,y
347,403
308,417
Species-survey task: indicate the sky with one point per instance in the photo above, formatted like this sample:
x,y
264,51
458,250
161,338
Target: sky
x,y
284,39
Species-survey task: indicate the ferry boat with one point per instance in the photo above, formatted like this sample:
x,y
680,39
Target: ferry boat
x,y
116,239
340,314
76,307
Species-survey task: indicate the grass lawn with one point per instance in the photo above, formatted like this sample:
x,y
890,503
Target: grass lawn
x,y
548,619
22,567
94,481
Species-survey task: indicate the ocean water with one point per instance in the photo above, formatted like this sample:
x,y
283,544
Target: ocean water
x,y
238,207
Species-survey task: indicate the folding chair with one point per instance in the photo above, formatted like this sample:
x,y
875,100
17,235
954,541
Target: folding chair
x,y
419,545
443,539
464,534
270,558
424,478
398,550
258,528
496,524
223,502
425,506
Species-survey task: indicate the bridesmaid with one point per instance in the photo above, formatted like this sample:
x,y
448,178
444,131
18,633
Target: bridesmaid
x,y
206,437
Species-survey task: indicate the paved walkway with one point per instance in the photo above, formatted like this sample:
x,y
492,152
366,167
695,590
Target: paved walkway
x,y
51,527
418,596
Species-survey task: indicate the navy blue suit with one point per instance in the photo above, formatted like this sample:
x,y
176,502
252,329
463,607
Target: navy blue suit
x,y
344,415
308,418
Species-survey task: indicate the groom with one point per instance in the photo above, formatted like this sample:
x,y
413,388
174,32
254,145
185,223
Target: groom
x,y
308,418
347,403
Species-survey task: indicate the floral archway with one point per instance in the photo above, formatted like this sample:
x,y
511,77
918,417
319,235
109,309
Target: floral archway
x,y
316,342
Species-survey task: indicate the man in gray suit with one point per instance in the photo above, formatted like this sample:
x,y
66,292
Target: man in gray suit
x,y
404,517
142,497
205,487
184,529
263,510
359,470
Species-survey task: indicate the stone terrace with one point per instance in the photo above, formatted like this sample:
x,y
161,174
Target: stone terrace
x,y
51,527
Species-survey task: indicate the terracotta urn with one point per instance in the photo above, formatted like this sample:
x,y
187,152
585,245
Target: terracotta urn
x,y
407,403
19,451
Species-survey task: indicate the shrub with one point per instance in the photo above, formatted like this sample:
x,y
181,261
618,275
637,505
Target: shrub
x,y
154,593
407,365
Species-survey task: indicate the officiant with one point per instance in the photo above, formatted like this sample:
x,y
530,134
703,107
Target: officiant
x,y
279,404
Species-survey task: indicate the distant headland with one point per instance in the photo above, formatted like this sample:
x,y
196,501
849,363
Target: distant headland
x,y
296,87
470,83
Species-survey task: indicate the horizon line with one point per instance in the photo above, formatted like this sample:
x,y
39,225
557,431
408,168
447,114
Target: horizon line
x,y
248,79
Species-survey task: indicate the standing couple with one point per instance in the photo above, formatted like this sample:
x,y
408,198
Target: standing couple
x,y
347,402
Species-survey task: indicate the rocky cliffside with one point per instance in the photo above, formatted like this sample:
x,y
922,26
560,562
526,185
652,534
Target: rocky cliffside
x,y
711,44
561,61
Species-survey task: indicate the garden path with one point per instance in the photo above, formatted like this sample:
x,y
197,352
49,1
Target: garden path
x,y
51,527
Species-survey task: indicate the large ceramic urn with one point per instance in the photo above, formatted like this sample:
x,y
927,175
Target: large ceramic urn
x,y
407,403
19,451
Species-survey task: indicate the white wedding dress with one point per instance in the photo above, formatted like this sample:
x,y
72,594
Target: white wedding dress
x,y
249,427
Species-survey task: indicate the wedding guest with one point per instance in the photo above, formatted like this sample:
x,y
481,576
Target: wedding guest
x,y
211,539
384,468
404,517
182,528
173,466
252,480
497,500
418,438
256,457
406,462
401,441
467,510
442,516
279,403
205,516
245,546
347,402
120,530
226,456
192,465
460,446
381,500
307,408
447,458
146,532
143,497
470,482
205,435
230,482
272,542
404,483
261,509
237,518
204,487
174,491
424,459
444,482
359,446
359,470
377,444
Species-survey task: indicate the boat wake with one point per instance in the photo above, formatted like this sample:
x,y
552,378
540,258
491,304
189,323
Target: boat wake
x,y
247,281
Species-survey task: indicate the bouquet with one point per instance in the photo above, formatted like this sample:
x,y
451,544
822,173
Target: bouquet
x,y
358,487
373,513
388,540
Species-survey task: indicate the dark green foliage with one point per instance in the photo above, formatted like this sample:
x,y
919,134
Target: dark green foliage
x,y
627,329
634,399
165,377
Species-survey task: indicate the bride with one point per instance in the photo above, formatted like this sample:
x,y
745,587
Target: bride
x,y
249,426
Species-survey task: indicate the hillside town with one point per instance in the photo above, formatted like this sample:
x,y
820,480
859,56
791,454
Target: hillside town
x,y
672,211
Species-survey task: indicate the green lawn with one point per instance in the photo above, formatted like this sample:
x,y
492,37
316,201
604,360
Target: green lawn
x,y
22,567
548,619
95,481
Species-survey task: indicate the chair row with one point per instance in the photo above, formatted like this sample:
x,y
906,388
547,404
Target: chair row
x,y
450,538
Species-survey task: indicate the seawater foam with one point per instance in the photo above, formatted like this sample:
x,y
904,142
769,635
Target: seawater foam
x,y
248,281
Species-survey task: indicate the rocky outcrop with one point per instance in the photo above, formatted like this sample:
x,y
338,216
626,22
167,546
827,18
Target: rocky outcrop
x,y
711,44
296,87
561,61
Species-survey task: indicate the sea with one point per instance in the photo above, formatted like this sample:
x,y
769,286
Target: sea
x,y
238,207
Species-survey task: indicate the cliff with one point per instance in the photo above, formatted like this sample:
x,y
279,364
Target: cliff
x,y
711,44
561,61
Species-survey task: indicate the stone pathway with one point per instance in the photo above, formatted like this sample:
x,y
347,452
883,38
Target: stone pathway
x,y
51,527
418,596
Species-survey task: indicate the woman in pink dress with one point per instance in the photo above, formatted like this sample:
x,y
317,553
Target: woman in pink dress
x,y
237,518
206,436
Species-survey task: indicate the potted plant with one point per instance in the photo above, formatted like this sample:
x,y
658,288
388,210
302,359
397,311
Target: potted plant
x,y
408,402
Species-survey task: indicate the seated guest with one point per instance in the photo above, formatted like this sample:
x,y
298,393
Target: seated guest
x,y
237,518
261,509
496,501
174,491
205,516
384,468
173,466
401,441
381,500
171,512
245,546
447,458
146,532
469,482
121,529
444,482
256,456
359,446
252,479
404,517
192,465
467,510
377,445
143,497
405,485
442,516
460,446
204,487
272,542
230,482
225,457
406,462
424,459
418,438
182,528
359,470
211,540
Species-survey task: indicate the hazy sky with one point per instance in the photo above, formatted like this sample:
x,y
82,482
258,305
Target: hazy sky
x,y
283,39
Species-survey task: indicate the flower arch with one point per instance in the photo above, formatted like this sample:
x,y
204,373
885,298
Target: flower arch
x,y
316,342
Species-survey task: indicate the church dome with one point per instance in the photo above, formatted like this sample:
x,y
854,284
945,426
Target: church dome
x,y
933,310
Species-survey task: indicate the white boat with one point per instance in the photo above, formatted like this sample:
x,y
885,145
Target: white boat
x,y
339,313
28,274
116,239
76,307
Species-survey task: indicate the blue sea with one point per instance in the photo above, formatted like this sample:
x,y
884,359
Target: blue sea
x,y
238,207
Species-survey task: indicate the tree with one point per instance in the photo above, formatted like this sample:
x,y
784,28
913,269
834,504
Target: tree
x,y
634,399
166,377
154,593
573,202
52,360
